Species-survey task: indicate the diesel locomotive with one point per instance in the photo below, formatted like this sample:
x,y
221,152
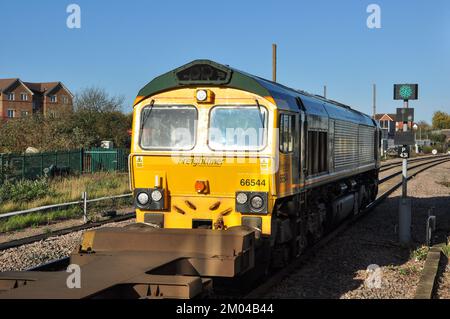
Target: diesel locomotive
x,y
214,147
230,173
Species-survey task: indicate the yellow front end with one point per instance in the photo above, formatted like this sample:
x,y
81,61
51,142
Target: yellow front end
x,y
199,184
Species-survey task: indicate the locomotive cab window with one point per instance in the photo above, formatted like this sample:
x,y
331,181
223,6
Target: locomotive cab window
x,y
241,128
287,128
168,127
317,149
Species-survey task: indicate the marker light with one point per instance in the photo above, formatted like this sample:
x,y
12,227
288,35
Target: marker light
x,y
156,195
242,198
142,199
257,202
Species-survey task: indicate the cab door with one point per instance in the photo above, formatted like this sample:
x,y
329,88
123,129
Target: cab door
x,y
289,150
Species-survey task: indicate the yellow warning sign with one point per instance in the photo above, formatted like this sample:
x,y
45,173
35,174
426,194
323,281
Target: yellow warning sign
x,y
139,161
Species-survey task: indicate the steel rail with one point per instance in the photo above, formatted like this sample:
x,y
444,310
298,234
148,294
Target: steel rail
x,y
384,179
389,166
275,279
29,240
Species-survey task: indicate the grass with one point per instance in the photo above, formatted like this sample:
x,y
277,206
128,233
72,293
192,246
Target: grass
x,y
36,219
446,251
25,194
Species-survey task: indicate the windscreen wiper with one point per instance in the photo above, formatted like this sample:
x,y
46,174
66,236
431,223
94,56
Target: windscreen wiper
x,y
145,117
260,115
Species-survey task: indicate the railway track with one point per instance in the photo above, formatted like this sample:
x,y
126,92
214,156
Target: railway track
x,y
261,290
431,160
61,232
389,166
32,239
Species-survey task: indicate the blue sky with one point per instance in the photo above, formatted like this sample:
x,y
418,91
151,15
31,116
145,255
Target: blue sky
x,y
124,44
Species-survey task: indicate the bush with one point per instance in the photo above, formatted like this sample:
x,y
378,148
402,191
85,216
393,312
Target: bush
x,y
24,190
420,253
427,149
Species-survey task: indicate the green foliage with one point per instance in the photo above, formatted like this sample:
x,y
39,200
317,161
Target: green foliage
x,y
420,253
428,149
97,117
24,190
438,138
446,250
441,120
99,182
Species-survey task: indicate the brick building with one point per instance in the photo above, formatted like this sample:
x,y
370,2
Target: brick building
x,y
20,99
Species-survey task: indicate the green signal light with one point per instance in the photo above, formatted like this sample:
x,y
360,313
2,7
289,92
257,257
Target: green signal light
x,y
406,92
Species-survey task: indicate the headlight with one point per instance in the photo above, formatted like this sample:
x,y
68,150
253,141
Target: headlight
x,y
142,199
156,195
257,202
202,95
242,198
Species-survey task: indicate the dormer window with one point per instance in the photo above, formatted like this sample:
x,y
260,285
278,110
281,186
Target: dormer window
x,y
11,97
53,98
24,97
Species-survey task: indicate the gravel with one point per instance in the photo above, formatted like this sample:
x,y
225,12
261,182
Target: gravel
x,y
340,270
38,253
443,285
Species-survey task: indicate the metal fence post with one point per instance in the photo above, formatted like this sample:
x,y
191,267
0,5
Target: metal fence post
x,y
84,207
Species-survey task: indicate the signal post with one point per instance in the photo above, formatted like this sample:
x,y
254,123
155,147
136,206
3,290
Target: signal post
x,y
405,137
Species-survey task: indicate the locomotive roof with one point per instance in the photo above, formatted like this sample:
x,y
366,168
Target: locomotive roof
x,y
210,73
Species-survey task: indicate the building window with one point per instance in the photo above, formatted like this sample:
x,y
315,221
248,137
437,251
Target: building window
x,y
11,97
24,96
10,113
287,127
24,113
53,98
65,99
317,156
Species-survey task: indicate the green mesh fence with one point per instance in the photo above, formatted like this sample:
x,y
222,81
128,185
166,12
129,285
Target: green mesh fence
x,y
73,162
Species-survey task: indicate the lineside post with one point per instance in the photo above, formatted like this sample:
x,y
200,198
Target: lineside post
x,y
84,207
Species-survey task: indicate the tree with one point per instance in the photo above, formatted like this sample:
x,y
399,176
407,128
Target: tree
x,y
97,100
441,120
424,126
96,117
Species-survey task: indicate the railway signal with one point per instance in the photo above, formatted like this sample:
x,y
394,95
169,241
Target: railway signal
x,y
406,92
405,137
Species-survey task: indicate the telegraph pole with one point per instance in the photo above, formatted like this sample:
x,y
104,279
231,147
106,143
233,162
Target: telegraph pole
x,y
274,62
374,100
